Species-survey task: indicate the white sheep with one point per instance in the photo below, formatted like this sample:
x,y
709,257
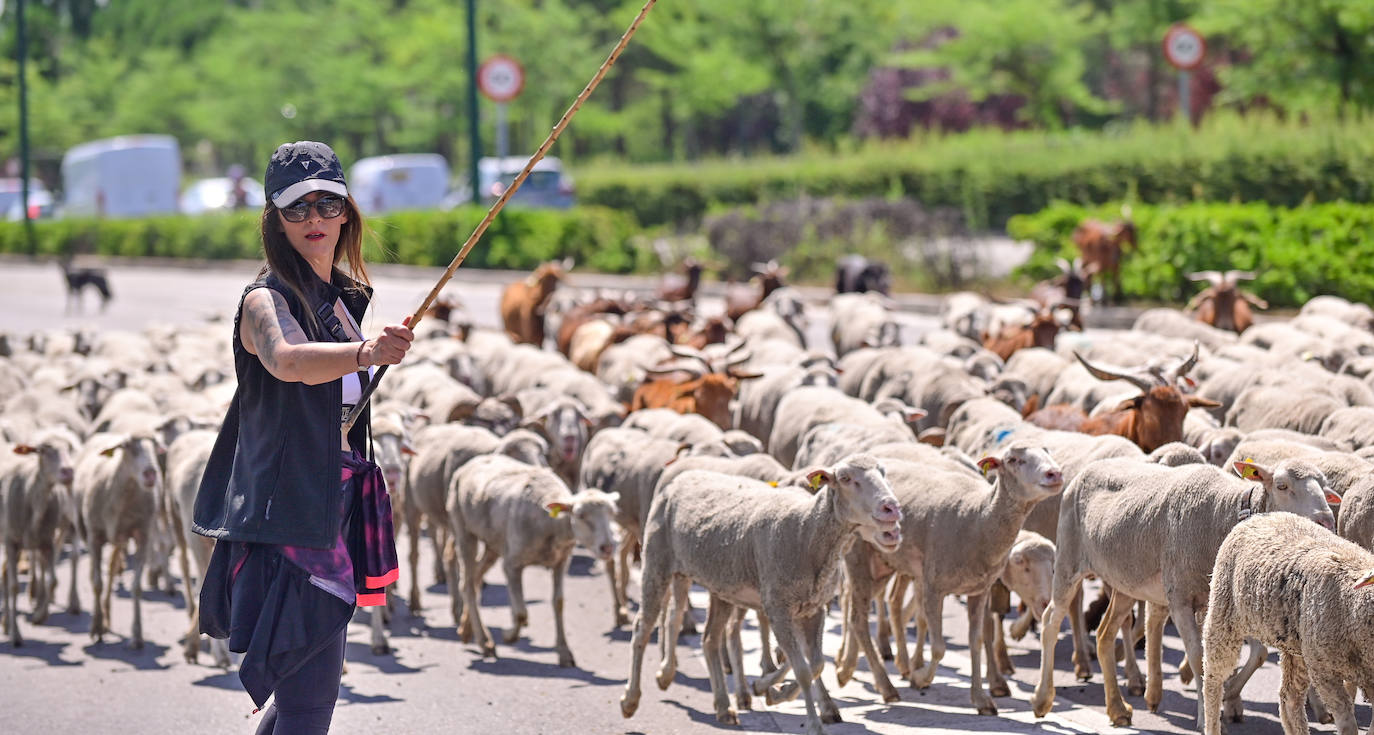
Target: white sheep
x,y
30,512
1295,586
770,549
524,516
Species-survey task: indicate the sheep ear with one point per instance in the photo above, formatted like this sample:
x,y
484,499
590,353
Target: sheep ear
x,y
1332,497
407,449
911,414
1250,470
988,464
24,449
1365,580
110,451
555,509
817,478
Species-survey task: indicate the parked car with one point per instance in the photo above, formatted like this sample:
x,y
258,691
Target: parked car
x,y
11,192
217,195
404,181
547,185
128,176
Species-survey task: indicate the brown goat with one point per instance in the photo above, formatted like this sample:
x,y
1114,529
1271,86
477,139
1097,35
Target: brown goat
x,y
1040,332
738,301
1223,304
1102,245
1152,419
713,331
708,395
523,303
681,286
581,314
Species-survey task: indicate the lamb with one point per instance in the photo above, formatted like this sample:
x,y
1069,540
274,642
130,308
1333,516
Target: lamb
x,y
1030,574
525,516
116,484
1293,585
774,550
942,509
1174,520
30,511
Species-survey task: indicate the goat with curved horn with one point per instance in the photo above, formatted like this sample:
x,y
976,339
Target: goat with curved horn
x,y
1185,365
1213,277
1115,374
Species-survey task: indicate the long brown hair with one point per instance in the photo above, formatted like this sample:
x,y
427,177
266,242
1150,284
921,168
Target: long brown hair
x,y
293,270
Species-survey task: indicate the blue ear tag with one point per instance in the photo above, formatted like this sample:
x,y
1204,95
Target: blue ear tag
x,y
1001,435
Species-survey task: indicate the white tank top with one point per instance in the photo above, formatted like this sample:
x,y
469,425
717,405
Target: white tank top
x,y
352,391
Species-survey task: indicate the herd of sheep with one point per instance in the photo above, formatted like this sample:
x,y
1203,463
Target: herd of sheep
x,y
1219,480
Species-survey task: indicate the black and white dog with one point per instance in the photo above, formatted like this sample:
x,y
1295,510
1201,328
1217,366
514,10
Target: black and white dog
x,y
77,281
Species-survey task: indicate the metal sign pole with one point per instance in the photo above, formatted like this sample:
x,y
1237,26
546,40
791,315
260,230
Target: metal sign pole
x,y
1185,89
24,124
502,139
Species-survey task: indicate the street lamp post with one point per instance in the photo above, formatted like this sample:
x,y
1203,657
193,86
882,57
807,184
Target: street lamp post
x,y
24,124
474,132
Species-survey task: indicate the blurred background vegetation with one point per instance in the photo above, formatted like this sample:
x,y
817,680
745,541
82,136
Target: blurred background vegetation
x,y
790,128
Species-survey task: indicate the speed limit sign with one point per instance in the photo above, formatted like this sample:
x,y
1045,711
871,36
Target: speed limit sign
x,y
1184,47
500,78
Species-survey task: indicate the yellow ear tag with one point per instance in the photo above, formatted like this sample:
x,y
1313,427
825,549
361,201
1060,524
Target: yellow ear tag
x,y
554,511
816,481
983,469
772,483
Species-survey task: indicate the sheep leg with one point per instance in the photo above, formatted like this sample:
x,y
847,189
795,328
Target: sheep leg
x,y
667,639
565,656
766,663
1118,608
43,582
620,611
860,601
848,656
654,591
622,580
743,699
1155,618
97,547
1319,711
999,648
142,542
1135,682
191,649
884,628
717,620
455,592
992,628
977,625
1185,620
813,628
931,604
377,625
1082,669
466,546
1223,646
11,594
1231,707
440,541
73,599
785,630
515,586
412,521
897,611
1337,700
1292,690
1064,596
1021,626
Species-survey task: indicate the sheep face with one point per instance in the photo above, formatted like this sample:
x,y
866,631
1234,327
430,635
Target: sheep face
x,y
1217,449
138,460
567,427
392,451
592,514
54,460
1296,487
1030,573
865,499
1026,470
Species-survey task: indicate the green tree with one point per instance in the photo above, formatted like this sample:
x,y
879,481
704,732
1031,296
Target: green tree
x,y
1305,55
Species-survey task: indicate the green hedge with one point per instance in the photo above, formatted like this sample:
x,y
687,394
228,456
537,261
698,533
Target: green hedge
x,y
992,176
602,239
1297,253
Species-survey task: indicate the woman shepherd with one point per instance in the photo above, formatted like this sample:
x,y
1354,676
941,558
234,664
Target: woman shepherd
x,y
301,518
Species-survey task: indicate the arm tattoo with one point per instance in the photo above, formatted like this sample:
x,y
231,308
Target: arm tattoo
x,y
272,326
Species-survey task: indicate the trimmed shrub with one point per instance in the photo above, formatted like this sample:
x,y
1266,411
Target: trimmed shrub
x,y
1296,253
602,239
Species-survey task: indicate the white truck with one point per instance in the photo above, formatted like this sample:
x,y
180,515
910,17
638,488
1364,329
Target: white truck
x,y
128,176
403,181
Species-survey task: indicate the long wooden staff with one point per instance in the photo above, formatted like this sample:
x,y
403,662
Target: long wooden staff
x,y
491,213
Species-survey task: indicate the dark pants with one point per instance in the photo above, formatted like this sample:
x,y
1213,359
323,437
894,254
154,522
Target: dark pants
x,y
304,701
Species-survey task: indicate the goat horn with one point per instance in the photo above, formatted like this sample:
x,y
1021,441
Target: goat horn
x,y
1234,276
1187,364
739,360
1213,277
669,370
688,353
1116,374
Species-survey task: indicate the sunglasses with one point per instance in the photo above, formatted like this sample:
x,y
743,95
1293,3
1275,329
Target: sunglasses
x,y
329,207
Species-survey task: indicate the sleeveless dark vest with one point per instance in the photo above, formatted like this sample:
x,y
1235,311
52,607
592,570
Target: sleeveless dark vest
x,y
273,475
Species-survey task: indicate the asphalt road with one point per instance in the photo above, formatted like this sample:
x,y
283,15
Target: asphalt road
x,y
61,681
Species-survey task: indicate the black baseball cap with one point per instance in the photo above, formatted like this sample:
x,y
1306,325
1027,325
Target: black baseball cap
x,y
297,169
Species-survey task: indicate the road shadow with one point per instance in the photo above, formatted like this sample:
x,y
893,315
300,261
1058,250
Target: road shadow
x,y
74,623
50,653
386,663
349,696
119,650
537,670
221,679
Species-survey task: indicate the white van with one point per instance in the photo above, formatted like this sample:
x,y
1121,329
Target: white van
x,y
128,176
404,181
